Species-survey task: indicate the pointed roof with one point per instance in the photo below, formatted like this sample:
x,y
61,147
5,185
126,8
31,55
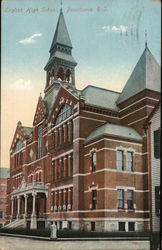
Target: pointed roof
x,y
61,34
146,75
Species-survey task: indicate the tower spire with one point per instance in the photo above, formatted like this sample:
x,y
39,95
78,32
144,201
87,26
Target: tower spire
x,y
145,38
61,64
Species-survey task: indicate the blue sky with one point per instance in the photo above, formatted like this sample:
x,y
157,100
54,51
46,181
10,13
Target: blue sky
x,y
108,38
98,53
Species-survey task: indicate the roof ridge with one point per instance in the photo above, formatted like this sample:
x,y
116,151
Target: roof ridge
x,y
109,90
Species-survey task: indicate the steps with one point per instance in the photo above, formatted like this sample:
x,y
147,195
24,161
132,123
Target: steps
x,y
18,223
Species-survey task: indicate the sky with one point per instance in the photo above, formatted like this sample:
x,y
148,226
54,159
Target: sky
x,y
108,38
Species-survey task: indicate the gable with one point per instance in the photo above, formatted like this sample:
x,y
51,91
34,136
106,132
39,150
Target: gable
x,y
18,136
64,99
40,113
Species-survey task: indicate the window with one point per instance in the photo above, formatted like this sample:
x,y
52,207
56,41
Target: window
x,y
54,171
157,201
63,135
120,198
60,225
93,161
62,167
21,158
66,162
65,112
57,168
52,200
57,200
93,226
157,144
130,161
66,198
71,164
18,146
2,188
1,201
71,197
94,199
121,226
30,178
58,137
69,225
120,160
131,226
53,138
39,149
1,214
37,177
40,179
62,195
130,199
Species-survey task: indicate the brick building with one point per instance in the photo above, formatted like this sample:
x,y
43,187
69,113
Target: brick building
x,y
84,163
4,174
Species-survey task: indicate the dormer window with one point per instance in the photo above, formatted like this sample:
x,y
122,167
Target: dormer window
x,y
65,112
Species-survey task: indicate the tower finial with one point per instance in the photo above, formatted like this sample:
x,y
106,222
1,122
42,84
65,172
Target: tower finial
x,y
61,3
145,38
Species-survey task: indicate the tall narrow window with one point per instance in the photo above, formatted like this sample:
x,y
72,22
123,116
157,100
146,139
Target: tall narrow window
x,y
130,161
93,161
71,197
37,177
40,178
120,198
54,171
66,198
57,199
94,199
66,165
58,138
62,167
130,199
71,164
62,195
39,150
58,168
120,160
157,144
53,138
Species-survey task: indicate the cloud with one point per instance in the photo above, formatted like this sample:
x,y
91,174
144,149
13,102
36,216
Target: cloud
x,y
121,29
31,39
21,84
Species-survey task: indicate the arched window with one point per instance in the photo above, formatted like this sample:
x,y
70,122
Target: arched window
x,y
68,75
39,145
18,146
60,73
64,113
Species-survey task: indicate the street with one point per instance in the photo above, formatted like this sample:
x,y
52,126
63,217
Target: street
x,y
14,243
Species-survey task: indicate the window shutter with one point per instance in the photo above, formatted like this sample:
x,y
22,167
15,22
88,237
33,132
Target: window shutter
x,y
157,144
